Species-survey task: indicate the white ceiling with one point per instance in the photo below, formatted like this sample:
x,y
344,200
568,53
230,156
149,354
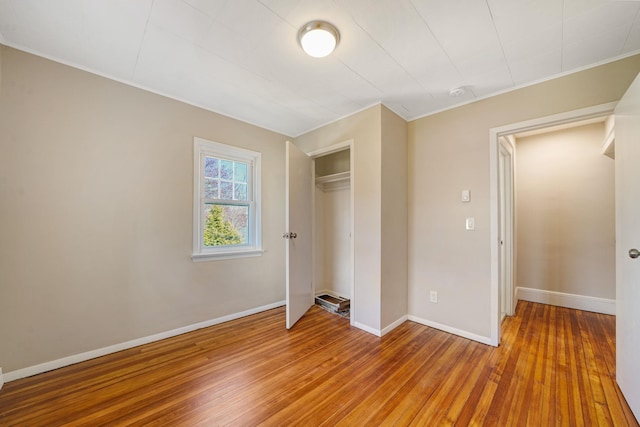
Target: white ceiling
x,y
241,58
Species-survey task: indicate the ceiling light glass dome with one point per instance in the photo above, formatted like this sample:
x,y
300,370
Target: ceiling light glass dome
x,y
318,38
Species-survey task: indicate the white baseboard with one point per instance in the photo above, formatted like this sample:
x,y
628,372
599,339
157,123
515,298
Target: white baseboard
x,y
451,330
70,360
579,302
1,379
394,325
383,332
369,329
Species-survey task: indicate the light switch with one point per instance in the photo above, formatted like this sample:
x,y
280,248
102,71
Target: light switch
x,y
466,196
470,224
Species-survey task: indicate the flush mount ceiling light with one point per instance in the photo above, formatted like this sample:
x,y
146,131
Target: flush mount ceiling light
x,y
318,38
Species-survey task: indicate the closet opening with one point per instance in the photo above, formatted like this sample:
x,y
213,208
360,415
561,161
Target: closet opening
x,y
332,230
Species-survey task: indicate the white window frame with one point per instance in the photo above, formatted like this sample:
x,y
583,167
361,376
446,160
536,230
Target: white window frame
x,y
202,148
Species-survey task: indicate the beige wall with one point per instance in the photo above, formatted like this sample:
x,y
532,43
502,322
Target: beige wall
x,y
96,212
364,129
319,261
394,217
449,152
96,215
565,213
333,163
333,229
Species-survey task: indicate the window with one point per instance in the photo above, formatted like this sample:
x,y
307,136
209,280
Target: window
x,y
226,201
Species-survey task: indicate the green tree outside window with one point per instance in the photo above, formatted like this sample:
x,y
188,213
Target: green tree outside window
x,y
219,231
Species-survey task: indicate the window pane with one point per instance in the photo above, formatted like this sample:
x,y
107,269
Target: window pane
x,y
210,188
226,169
240,191
241,172
226,190
210,167
226,225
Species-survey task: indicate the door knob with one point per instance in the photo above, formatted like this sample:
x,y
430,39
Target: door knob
x,y
634,253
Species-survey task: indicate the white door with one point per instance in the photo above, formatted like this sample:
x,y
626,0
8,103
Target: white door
x,y
503,226
627,154
505,181
298,233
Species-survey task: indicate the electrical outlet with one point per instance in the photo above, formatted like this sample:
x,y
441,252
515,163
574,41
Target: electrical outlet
x,y
433,296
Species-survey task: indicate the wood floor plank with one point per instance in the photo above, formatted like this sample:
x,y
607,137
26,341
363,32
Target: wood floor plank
x,y
555,366
547,365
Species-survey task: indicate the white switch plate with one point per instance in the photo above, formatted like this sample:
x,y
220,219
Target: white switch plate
x,y
466,196
470,224
433,296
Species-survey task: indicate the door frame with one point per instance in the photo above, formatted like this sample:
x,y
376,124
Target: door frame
x,y
494,190
334,148
506,181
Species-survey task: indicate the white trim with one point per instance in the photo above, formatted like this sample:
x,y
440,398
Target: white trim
x,y
352,227
366,328
581,114
203,147
240,253
609,143
394,325
70,360
494,134
451,330
1,379
579,302
325,151
508,145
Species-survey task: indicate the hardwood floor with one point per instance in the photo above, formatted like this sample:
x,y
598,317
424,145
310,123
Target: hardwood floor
x,y
556,366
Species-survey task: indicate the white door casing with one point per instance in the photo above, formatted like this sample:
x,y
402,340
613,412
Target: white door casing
x,y
506,233
341,146
627,184
494,190
298,234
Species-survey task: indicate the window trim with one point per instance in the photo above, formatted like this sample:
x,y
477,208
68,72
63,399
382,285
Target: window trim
x,y
203,147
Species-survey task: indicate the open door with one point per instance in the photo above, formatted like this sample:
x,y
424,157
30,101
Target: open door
x,y
627,157
505,195
298,233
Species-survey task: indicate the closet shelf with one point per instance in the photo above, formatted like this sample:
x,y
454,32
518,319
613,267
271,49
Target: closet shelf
x,y
333,181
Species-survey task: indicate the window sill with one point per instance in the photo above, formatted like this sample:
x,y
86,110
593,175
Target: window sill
x,y
245,253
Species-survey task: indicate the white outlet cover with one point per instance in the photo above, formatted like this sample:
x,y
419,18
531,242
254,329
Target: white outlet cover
x,y
470,224
465,196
